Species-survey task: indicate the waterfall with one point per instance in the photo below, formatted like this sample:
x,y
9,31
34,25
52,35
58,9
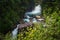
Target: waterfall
x,y
28,15
15,32
36,11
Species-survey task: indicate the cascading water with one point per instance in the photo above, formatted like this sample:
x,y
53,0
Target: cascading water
x,y
36,11
28,15
14,32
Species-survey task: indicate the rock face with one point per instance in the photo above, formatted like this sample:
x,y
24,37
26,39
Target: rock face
x,y
38,17
20,27
27,24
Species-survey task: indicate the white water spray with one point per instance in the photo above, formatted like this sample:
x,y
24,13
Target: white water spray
x,y
36,11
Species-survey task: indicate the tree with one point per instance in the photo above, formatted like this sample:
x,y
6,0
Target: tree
x,y
11,12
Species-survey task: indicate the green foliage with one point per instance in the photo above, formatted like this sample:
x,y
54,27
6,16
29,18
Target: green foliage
x,y
39,32
50,32
11,12
51,14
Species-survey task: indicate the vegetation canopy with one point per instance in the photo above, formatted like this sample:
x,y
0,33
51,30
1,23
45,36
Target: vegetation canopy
x,y
13,10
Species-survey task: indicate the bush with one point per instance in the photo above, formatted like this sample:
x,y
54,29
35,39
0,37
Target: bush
x,y
39,32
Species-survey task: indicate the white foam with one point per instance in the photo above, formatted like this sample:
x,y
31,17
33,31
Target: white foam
x,y
26,20
15,31
36,11
34,20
